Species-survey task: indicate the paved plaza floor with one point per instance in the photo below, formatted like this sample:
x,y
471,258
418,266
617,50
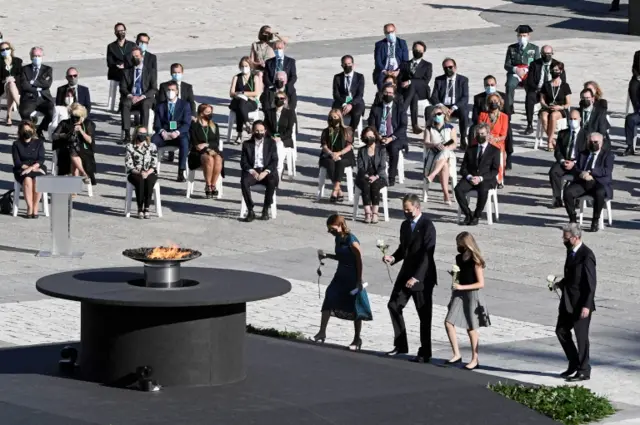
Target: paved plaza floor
x,y
521,249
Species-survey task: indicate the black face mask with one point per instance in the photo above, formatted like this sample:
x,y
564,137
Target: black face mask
x,y
555,74
279,84
75,119
461,250
448,72
121,35
585,103
334,232
258,136
279,102
27,134
482,139
408,215
347,69
333,122
547,58
593,147
568,245
387,98
265,36
141,137
417,54
370,140
137,61
493,106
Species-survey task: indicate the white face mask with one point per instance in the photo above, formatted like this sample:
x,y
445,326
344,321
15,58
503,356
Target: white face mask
x,y
523,41
245,70
171,94
575,124
68,101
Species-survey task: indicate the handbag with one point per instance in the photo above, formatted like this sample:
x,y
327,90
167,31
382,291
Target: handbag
x,y
6,202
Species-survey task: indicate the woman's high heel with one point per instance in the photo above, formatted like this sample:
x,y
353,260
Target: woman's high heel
x,y
357,346
318,338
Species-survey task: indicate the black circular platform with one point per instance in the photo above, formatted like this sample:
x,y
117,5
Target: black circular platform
x,y
193,335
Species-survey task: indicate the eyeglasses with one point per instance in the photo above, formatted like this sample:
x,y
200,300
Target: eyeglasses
x,y
439,114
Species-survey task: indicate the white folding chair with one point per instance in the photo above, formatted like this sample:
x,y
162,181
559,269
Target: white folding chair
x,y
113,95
385,203
286,156
453,175
322,176
422,105
358,131
17,190
129,196
561,124
566,179
628,104
253,116
273,209
60,113
635,146
400,167
583,204
493,197
54,171
152,116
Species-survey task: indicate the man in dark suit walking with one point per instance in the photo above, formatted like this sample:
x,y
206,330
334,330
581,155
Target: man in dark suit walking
x,y
478,172
259,165
390,120
592,176
280,63
570,143
35,83
416,279
388,54
577,303
72,92
138,88
452,91
348,92
414,79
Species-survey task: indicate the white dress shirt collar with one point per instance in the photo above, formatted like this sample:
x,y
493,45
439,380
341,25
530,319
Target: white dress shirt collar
x,y
577,247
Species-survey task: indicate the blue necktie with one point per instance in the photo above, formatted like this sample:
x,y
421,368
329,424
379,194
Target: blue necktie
x,y
172,107
413,225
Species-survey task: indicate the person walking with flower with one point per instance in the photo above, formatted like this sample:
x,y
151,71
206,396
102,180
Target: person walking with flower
x,y
466,308
345,297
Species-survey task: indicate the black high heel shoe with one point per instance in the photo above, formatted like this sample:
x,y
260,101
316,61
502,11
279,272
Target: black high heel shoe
x,y
318,338
357,346
449,362
207,192
472,368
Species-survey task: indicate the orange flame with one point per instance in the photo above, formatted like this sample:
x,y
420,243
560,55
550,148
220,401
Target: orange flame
x,y
172,252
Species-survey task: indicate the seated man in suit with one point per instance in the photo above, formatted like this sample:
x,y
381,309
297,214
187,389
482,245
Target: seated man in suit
x,y
480,100
594,118
138,88
35,83
259,165
539,75
571,142
72,92
388,54
517,62
414,79
390,119
479,171
348,92
631,122
150,60
171,126
452,91
592,175
276,64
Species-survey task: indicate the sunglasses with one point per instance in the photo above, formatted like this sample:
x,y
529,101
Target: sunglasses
x,y
72,75
439,114
6,49
448,67
281,98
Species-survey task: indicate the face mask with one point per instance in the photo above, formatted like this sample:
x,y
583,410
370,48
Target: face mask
x,y
176,77
143,47
555,74
279,101
461,250
137,61
493,106
334,232
567,245
448,72
490,89
68,101
370,140
37,61
279,53
387,98
27,134
73,81
279,84
141,137
265,36
523,41
333,122
6,53
121,35
75,119
245,70
547,57
408,215
439,119
391,37
258,136
593,147
482,139
171,94
347,69
585,103
417,54
575,124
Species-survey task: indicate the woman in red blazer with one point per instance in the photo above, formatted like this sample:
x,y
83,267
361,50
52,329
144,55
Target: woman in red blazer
x,y
499,124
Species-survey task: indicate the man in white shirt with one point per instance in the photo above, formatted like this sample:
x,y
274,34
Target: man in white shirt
x,y
571,142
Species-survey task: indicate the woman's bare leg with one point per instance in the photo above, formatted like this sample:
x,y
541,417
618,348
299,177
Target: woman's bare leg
x,y
207,168
551,128
28,190
453,340
473,337
217,169
76,165
437,168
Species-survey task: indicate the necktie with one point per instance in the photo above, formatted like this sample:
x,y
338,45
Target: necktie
x,y
172,107
571,145
279,65
592,161
414,65
449,88
585,117
413,225
348,83
389,123
480,153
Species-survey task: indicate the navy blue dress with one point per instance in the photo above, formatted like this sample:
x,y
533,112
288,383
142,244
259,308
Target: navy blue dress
x,y
338,298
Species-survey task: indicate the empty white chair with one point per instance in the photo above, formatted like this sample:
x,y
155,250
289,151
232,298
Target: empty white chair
x,y
54,171
583,203
161,152
253,116
113,95
561,124
385,203
493,197
453,175
273,209
400,167
17,190
322,176
422,105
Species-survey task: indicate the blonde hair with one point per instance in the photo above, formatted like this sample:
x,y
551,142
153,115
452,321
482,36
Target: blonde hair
x,y
598,93
78,110
338,220
10,46
467,241
497,96
442,109
135,134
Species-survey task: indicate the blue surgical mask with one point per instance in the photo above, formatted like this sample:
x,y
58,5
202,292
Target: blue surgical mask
x,y
6,53
438,119
391,37
490,89
143,47
37,61
279,53
176,77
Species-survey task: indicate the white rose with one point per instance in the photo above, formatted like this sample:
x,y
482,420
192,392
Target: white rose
x,y
551,278
380,243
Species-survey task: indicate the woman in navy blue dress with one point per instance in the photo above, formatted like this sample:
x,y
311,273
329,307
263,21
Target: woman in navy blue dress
x,y
339,301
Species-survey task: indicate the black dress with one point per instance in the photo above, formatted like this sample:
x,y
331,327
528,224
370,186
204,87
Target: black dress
x,y
556,95
199,134
67,143
240,106
27,154
336,141
467,309
15,71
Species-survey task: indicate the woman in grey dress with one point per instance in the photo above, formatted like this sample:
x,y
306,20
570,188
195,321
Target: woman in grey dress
x,y
467,308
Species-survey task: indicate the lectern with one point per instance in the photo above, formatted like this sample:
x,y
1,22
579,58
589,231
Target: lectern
x,y
60,189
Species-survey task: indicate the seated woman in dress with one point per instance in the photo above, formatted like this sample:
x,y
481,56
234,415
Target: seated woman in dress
x,y
372,173
440,141
10,71
28,164
600,102
345,298
244,92
280,121
336,151
74,142
262,49
467,308
204,150
141,162
555,100
499,124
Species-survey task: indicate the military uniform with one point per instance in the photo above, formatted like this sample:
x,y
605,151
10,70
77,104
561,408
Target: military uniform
x,y
517,55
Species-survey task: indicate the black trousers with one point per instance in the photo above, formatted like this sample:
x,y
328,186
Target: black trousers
x,y
634,91
335,169
143,188
631,122
411,98
269,182
578,357
242,108
556,173
580,188
393,153
463,187
144,106
357,109
40,104
370,191
423,301
529,104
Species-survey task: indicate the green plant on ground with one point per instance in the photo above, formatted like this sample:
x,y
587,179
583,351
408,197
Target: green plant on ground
x,y
570,405
274,333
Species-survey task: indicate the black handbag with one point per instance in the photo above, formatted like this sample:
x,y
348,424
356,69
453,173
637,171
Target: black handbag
x,y
6,203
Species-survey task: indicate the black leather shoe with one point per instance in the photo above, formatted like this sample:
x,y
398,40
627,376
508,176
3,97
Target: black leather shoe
x,y
467,220
250,217
396,352
420,359
171,156
629,151
265,214
417,129
528,130
594,226
573,219
557,203
474,221
578,377
449,362
126,139
570,371
180,178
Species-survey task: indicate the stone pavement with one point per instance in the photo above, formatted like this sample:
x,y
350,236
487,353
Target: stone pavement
x,y
521,249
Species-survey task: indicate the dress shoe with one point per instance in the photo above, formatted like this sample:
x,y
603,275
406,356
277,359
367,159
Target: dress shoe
x,y
573,218
126,139
180,178
474,221
392,182
471,368
265,214
557,203
467,220
396,352
570,371
528,130
449,362
170,156
250,216
420,359
417,129
594,226
629,151
578,377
